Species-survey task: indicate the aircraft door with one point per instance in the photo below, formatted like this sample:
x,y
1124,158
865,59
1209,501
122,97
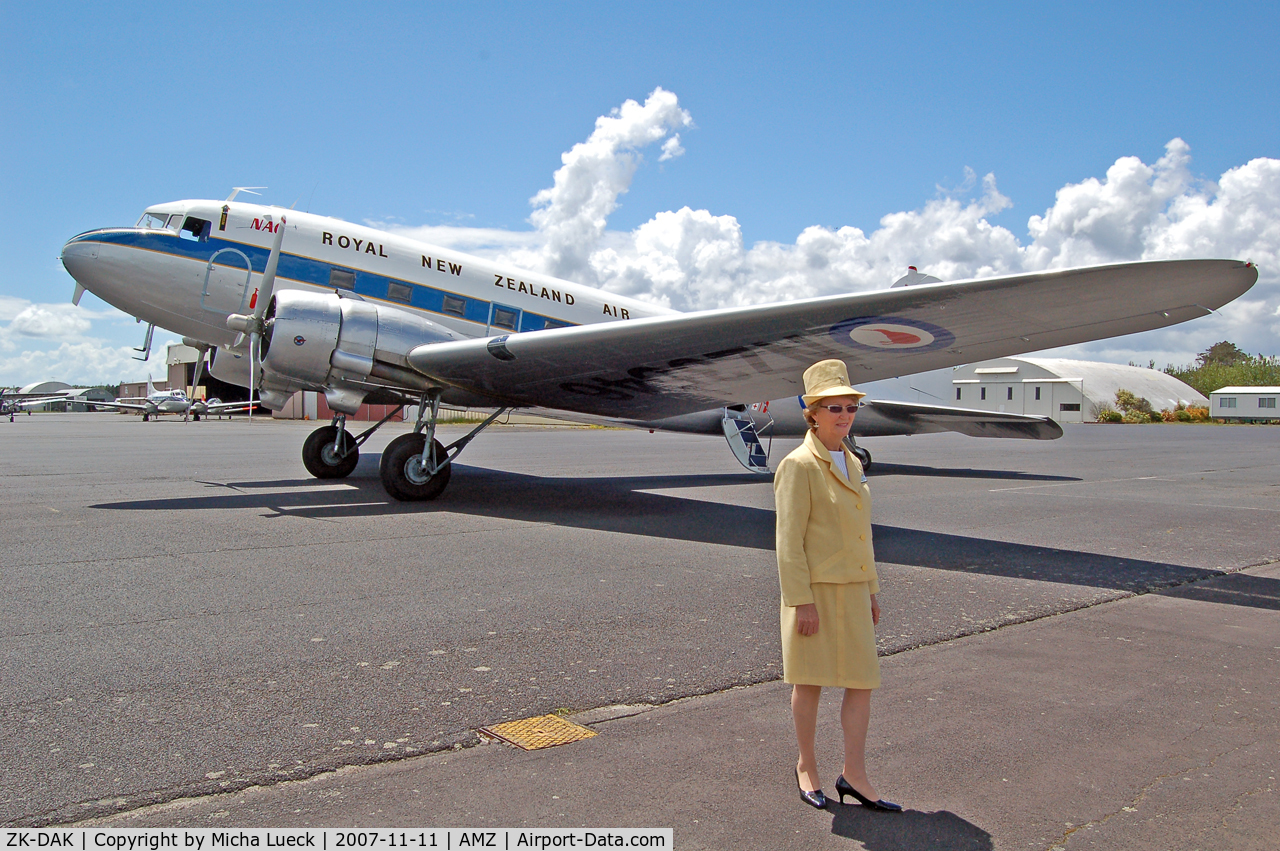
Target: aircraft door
x,y
226,282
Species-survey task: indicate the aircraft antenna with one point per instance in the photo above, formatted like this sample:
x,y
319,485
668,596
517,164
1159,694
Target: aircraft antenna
x,y
236,190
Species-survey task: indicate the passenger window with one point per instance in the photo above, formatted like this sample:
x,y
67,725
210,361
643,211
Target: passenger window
x,y
456,306
504,318
399,292
342,279
153,221
196,229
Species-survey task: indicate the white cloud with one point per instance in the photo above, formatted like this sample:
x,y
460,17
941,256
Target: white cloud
x,y
693,259
571,214
81,362
50,320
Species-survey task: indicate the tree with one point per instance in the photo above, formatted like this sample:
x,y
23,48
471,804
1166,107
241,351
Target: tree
x,y
1223,354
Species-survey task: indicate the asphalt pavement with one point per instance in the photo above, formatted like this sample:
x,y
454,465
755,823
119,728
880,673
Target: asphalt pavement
x,y
188,614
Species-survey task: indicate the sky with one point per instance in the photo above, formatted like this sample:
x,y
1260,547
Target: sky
x,y
696,155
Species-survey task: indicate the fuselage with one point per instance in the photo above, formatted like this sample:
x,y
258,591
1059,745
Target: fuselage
x,y
187,265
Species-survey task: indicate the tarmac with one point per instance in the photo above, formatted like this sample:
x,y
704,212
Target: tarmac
x,y
1149,722
1080,651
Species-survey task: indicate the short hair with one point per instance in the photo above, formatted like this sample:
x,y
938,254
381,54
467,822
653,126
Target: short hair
x,y
810,410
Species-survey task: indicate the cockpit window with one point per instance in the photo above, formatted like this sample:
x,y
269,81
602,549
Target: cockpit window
x,y
152,220
197,229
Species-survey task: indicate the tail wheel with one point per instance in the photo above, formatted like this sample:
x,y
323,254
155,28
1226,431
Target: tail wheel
x,y
320,459
404,474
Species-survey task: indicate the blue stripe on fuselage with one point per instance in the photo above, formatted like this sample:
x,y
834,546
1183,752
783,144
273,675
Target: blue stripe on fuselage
x,y
310,271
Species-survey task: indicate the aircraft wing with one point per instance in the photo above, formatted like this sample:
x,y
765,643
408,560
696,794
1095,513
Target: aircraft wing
x,y
880,418
128,406
663,366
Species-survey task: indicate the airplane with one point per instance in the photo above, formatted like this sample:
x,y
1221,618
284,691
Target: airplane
x,y
159,402
291,301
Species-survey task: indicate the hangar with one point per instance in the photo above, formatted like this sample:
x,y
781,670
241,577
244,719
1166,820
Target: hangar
x,y
1069,391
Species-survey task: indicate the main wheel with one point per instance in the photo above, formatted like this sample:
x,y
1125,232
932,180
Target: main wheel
x,y
320,459
863,456
146,416
405,476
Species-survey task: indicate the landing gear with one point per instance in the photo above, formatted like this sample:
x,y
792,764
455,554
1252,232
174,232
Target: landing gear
x,y
409,474
415,466
863,456
146,416
330,452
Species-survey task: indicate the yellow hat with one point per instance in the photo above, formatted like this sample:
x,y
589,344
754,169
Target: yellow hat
x,y
827,378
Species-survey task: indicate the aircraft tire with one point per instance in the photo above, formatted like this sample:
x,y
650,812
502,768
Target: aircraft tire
x,y
405,481
864,458
318,456
146,417
195,417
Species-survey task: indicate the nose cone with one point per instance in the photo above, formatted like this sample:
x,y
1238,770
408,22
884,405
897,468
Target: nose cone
x,y
78,256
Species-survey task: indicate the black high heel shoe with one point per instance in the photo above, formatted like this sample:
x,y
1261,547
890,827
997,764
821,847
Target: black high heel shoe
x,y
844,788
815,798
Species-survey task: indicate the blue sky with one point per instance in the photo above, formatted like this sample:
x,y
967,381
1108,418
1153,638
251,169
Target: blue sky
x,y
827,115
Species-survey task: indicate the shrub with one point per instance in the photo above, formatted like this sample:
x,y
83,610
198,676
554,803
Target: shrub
x,y
1154,417
1127,400
1200,415
1097,409
1183,415
1168,416
1135,417
1110,416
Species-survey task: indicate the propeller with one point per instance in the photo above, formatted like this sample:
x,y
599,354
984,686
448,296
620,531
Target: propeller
x,y
253,324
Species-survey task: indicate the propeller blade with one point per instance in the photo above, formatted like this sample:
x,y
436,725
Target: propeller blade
x,y
269,274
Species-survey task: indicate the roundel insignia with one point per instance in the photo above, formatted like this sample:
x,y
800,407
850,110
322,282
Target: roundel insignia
x,y
299,340
880,333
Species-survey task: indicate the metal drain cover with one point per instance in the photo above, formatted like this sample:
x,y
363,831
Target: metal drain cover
x,y
544,731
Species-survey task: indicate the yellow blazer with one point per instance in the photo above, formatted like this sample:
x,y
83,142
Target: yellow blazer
x,y
824,523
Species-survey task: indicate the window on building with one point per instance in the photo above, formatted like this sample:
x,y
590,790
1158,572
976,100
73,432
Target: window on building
x,y
1069,406
456,306
1037,394
958,389
1227,402
1009,393
505,317
982,393
1267,402
342,279
399,292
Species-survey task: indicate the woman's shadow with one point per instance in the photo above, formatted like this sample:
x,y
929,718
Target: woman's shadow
x,y
909,829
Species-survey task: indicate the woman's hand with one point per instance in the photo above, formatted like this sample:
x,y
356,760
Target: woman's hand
x,y
807,619
875,611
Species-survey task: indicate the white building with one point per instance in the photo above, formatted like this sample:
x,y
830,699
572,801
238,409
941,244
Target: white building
x,y
1069,391
1245,403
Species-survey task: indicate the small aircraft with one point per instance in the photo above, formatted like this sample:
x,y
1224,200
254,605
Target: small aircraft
x,y
159,402
290,301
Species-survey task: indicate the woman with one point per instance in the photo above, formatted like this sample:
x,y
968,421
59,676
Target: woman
x,y
827,571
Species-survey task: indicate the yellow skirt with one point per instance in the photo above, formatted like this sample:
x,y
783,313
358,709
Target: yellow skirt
x,y
843,651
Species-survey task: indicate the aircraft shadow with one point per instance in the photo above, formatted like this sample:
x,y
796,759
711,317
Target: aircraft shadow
x,y
623,505
908,829
880,468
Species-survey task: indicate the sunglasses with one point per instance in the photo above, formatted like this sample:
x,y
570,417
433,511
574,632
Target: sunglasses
x,y
842,409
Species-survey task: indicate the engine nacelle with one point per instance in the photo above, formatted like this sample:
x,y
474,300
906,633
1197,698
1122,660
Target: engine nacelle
x,y
231,365
318,341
